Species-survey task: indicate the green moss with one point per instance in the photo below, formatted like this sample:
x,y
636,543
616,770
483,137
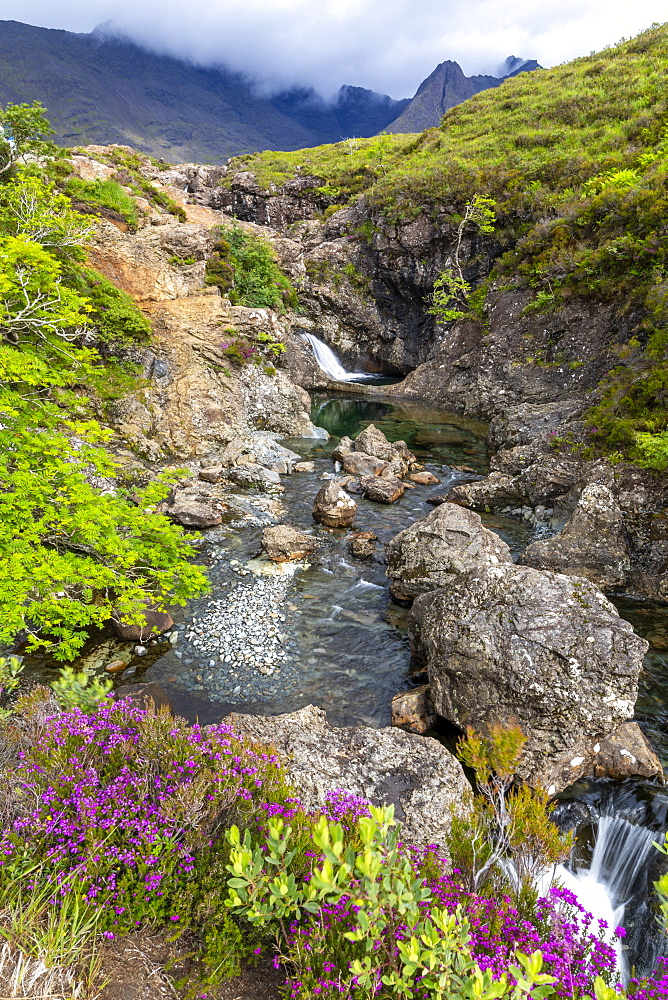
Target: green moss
x,y
244,267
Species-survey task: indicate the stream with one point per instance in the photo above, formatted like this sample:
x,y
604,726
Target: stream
x,y
271,638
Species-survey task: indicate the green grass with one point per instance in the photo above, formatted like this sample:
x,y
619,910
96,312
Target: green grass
x,y
104,194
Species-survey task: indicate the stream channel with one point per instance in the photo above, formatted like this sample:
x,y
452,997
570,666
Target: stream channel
x,y
271,638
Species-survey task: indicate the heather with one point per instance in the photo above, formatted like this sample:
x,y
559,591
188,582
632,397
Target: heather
x,y
121,818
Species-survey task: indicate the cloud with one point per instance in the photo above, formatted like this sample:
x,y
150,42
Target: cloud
x,y
387,45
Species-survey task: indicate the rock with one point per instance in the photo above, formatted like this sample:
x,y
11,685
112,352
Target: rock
x,y
592,543
151,696
511,644
305,467
192,513
283,543
155,622
413,710
357,463
424,478
333,507
440,547
350,484
116,666
259,448
382,489
362,544
397,468
343,448
372,441
624,753
253,475
417,775
211,474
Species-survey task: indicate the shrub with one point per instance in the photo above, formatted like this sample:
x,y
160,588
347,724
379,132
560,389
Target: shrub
x,y
243,266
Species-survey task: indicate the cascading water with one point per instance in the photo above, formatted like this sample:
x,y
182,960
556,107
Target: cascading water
x,y
330,364
617,885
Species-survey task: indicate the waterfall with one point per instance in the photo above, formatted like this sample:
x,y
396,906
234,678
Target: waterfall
x,y
618,875
330,364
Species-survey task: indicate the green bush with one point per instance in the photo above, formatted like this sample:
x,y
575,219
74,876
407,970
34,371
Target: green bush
x,y
244,267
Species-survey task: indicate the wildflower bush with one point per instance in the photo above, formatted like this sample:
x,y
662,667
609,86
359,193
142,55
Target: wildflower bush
x,y
122,817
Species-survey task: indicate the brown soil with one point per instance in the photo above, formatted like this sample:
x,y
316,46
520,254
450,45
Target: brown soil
x,y
135,969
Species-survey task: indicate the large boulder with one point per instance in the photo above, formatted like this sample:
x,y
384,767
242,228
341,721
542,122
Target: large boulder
x,y
283,543
155,623
358,463
510,644
189,510
438,549
333,507
372,444
417,775
592,543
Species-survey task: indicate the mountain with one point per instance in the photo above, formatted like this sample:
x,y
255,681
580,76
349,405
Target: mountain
x,y
445,88
99,89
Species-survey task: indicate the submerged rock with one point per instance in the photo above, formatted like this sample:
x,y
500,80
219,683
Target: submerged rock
x,y
438,548
510,644
592,543
362,544
283,543
333,507
417,775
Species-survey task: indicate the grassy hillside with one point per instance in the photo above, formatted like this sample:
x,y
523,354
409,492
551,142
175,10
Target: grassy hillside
x,y
576,159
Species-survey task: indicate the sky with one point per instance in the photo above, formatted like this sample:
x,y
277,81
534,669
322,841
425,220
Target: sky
x,y
385,45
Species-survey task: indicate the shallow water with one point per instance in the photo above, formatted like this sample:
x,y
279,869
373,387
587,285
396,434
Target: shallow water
x,y
345,642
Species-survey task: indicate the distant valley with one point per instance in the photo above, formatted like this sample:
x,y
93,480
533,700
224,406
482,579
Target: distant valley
x,y
102,90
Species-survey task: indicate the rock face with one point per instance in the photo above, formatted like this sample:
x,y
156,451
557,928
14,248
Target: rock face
x,y
549,652
436,550
283,543
423,781
333,507
382,489
592,544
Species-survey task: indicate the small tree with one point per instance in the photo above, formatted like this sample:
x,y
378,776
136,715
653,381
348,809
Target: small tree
x,y
23,129
451,290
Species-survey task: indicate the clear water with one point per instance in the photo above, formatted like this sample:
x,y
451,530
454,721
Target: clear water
x,y
347,642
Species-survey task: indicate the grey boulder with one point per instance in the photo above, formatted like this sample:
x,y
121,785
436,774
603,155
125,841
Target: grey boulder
x,y
592,543
283,543
439,548
417,775
510,644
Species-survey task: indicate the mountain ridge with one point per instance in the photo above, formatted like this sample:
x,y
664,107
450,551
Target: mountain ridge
x,y
100,89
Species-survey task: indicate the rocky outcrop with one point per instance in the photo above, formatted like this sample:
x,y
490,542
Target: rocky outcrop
x,y
333,507
418,776
510,644
592,544
283,543
438,549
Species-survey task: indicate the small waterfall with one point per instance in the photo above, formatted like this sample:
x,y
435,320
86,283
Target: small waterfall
x,y
618,875
330,364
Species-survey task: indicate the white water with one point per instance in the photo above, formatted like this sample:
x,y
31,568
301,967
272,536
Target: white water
x,y
330,364
620,857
